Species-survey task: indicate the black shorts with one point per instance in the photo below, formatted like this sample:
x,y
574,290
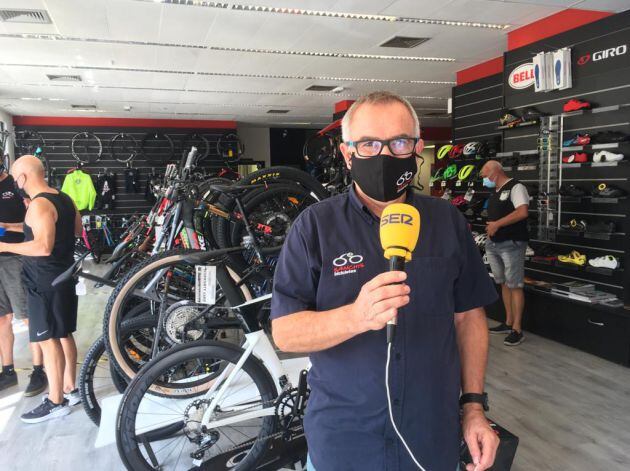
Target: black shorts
x,y
52,314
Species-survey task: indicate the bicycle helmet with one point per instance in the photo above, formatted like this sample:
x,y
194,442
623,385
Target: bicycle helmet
x,y
465,172
459,201
450,172
437,176
472,148
456,151
481,240
444,151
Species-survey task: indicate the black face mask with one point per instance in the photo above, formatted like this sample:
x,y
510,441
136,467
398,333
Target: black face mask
x,y
20,191
383,178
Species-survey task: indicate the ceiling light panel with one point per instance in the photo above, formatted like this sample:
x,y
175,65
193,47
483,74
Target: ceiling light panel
x,y
338,14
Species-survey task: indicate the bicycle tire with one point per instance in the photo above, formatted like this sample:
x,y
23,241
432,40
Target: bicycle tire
x,y
229,147
282,174
88,370
231,234
165,155
130,148
126,441
115,307
22,139
77,143
200,142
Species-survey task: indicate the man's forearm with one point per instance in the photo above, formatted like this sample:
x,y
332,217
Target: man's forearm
x,y
472,340
311,331
13,226
515,216
31,248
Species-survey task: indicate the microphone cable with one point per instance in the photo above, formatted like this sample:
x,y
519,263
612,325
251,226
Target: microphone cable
x,y
391,414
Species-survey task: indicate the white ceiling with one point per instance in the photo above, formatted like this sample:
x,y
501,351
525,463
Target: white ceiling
x,y
172,61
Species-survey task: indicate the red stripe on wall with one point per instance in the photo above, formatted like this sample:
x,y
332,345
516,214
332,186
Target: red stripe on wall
x,y
552,25
343,105
121,122
479,71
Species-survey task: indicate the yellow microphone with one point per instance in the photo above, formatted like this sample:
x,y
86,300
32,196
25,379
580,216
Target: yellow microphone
x,y
400,228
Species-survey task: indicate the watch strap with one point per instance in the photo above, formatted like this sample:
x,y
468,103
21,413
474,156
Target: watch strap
x,y
475,398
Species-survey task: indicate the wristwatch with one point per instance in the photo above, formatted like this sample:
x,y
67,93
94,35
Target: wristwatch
x,y
476,398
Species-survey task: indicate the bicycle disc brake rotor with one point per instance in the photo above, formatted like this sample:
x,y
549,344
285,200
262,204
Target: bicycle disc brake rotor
x,y
181,322
279,224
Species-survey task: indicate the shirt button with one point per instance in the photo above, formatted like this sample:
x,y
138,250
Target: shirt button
x,y
398,356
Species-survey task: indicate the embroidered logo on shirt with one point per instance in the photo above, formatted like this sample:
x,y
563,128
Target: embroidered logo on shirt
x,y
7,195
347,263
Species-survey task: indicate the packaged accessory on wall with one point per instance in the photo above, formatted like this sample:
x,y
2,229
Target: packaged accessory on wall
x,y
562,69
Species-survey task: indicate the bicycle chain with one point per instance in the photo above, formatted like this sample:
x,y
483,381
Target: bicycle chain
x,y
265,437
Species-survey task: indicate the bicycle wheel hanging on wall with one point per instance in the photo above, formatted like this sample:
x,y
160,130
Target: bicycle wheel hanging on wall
x,y
229,147
200,142
31,143
86,147
158,147
124,148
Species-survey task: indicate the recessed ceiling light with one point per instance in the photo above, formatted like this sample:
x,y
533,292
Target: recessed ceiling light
x,y
336,14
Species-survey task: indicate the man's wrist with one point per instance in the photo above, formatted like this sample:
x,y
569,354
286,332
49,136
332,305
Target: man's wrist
x,y
472,407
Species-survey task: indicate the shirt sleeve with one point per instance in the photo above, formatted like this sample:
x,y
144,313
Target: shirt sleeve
x,y
295,277
519,195
473,286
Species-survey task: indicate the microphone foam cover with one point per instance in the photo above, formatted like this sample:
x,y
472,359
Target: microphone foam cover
x,y
399,229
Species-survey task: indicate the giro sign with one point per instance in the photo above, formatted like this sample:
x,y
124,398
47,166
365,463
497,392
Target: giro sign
x,y
522,76
603,54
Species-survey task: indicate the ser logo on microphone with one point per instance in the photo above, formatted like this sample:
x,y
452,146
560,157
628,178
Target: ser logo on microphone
x,y
397,218
347,263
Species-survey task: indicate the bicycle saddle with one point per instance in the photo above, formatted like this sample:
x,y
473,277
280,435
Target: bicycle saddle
x,y
71,272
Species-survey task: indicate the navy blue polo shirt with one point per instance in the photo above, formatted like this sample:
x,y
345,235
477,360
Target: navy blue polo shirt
x,y
333,249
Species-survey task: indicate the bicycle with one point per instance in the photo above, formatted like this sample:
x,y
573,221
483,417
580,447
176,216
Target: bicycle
x,y
249,402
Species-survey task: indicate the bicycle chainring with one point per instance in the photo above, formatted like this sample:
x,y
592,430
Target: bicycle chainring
x,y
291,423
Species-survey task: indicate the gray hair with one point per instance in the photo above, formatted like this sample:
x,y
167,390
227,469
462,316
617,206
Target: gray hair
x,y
377,98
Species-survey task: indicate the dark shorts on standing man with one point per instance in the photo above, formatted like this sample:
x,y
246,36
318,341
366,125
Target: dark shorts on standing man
x,y
507,262
12,293
52,313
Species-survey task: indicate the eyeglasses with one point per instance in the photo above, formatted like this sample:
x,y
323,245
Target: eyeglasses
x,y
372,147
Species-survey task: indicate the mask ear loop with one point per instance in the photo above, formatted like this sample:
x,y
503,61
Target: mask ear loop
x,y
419,186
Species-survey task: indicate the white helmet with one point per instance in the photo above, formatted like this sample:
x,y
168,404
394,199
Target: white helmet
x,y
481,239
472,148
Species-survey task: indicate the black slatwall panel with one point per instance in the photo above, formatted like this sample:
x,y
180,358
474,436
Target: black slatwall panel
x,y
476,109
604,82
58,151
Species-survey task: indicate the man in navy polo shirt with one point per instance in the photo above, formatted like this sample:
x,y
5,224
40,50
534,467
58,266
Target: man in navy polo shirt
x,y
333,296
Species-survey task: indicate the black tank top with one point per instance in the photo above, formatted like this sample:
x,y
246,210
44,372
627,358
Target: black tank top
x,y
39,272
500,205
12,209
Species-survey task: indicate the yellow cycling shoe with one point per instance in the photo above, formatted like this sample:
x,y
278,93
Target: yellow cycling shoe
x,y
574,258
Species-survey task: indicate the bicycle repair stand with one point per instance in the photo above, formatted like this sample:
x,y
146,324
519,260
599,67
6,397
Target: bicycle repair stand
x,y
282,455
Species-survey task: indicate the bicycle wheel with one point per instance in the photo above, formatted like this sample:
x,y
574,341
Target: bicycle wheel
x,y
124,147
169,283
158,147
200,142
86,147
28,142
281,174
161,433
98,378
271,213
229,147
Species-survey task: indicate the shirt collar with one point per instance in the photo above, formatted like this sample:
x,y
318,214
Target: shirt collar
x,y
364,211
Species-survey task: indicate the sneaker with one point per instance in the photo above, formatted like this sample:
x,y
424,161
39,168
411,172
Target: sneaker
x,y
604,190
575,105
573,258
7,380
572,190
73,397
37,384
577,158
514,338
607,261
529,252
46,411
605,156
601,227
502,328
510,120
607,137
577,140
